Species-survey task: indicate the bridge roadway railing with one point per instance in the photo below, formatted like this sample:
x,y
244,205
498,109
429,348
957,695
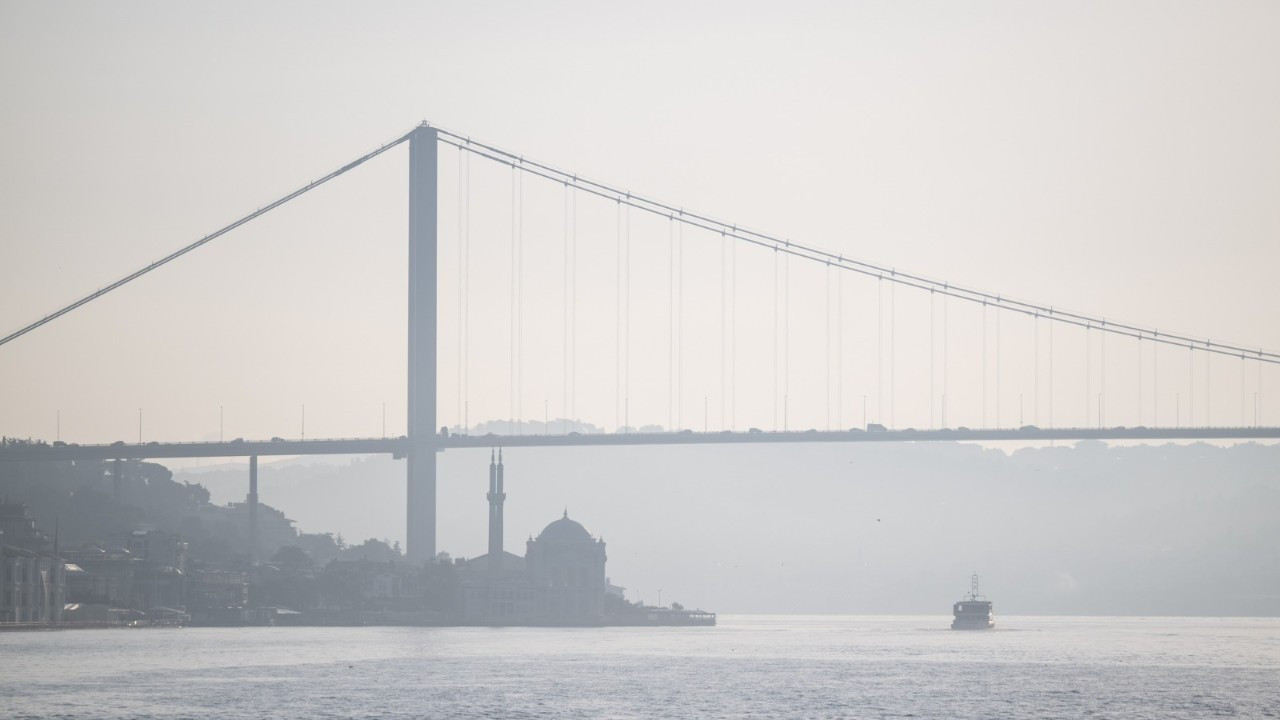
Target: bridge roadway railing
x,y
399,446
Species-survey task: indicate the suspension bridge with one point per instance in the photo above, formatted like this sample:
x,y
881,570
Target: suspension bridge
x,y
852,292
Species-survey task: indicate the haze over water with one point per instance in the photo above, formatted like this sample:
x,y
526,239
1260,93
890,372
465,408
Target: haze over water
x,y
1097,170
749,666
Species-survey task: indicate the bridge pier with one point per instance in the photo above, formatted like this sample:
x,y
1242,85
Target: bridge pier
x,y
420,484
253,509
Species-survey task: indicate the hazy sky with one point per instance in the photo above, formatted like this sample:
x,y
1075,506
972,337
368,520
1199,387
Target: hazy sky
x,y
1120,159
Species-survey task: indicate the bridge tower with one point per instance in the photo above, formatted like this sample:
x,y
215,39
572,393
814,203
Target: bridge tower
x,y
421,461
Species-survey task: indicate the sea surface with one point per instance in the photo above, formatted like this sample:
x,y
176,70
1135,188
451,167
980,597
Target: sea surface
x,y
748,666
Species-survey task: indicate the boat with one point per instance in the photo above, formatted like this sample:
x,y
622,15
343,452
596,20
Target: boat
x,y
974,611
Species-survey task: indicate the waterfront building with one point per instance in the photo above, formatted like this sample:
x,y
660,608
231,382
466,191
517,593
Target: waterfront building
x,y
32,576
496,588
370,585
142,570
158,547
32,588
218,597
567,566
107,577
559,581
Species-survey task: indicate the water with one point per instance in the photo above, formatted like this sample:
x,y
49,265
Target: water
x,y
762,666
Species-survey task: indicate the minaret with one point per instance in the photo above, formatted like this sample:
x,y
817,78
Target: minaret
x,y
496,497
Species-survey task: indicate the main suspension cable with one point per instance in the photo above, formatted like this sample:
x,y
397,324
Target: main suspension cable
x,y
816,254
204,240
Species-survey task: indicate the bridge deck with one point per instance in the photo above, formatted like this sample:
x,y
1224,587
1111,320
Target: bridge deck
x,y
399,446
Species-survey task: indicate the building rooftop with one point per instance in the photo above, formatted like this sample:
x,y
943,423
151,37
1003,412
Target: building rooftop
x,y
564,530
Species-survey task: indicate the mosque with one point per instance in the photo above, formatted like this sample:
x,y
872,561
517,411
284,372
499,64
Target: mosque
x,y
559,581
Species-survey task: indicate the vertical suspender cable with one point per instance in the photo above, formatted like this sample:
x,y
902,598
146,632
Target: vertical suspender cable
x,y
573,310
1035,360
1102,378
723,309
725,292
520,307
1141,389
1191,387
680,326
826,270
775,339
1088,372
893,355
840,350
466,319
786,340
880,349
511,366
946,366
626,363
671,323
997,367
617,312
733,335
984,343
932,338
1208,399
461,250
564,351
1051,324
984,364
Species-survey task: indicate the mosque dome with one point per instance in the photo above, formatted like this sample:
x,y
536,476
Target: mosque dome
x,y
564,530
